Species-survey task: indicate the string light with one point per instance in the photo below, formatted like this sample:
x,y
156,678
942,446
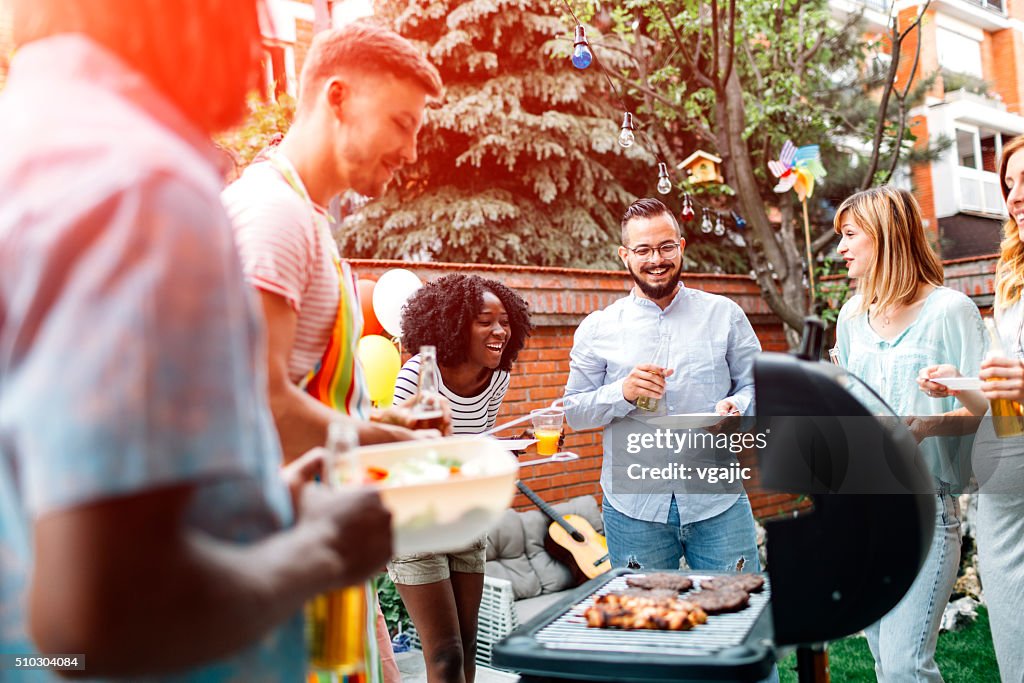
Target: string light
x,y
686,214
664,184
581,55
582,58
705,223
626,137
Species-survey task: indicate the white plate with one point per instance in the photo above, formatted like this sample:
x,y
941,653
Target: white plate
x,y
687,420
959,383
516,444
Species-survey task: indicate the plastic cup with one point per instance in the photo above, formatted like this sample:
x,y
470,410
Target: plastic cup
x,y
547,427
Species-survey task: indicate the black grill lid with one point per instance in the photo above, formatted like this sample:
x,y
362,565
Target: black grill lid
x,y
844,565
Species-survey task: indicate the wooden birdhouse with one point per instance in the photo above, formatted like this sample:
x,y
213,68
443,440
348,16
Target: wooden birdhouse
x,y
702,167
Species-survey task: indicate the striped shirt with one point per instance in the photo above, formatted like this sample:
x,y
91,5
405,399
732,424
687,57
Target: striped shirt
x,y
289,252
470,415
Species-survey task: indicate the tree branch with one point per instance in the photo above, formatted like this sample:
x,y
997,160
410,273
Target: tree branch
x,y
702,77
753,67
899,141
883,107
700,33
821,241
730,42
716,76
700,128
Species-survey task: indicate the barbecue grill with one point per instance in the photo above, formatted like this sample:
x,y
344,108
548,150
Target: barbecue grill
x,y
831,572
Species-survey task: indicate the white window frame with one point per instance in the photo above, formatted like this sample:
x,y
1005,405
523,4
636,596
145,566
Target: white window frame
x,y
976,174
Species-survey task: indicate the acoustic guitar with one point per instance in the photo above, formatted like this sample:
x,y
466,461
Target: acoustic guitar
x,y
572,540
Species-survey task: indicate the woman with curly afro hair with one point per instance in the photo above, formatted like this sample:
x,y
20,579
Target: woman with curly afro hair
x,y
478,327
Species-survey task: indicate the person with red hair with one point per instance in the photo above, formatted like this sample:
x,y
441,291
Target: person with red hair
x,y
144,520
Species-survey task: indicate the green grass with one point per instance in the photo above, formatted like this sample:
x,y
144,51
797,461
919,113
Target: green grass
x,y
966,656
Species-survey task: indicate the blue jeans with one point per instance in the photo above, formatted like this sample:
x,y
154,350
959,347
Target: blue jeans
x,y
714,545
903,641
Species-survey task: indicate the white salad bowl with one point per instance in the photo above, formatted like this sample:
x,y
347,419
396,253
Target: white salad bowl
x,y
440,516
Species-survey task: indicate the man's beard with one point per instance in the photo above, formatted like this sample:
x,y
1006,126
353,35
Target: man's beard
x,y
657,291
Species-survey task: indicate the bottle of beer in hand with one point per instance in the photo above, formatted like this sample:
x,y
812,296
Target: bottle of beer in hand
x,y
426,406
337,623
661,360
1007,414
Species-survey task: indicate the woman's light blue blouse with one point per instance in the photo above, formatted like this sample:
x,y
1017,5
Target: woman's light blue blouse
x,y
947,330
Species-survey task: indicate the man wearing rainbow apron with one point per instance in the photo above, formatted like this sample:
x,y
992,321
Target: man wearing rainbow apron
x,y
363,90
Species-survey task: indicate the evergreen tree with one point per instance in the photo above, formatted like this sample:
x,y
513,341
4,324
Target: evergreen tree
x,y
519,164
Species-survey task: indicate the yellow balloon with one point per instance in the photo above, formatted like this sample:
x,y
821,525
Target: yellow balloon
x,y
381,363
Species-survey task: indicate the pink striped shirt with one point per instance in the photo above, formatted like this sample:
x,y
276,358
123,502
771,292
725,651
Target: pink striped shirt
x,y
285,251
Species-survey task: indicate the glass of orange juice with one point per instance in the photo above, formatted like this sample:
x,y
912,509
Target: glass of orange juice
x,y
547,427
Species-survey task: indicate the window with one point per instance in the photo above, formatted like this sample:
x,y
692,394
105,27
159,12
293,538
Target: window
x,y
977,154
980,148
965,148
958,52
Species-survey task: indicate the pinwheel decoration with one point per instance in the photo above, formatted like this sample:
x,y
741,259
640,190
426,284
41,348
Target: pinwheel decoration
x,y
797,168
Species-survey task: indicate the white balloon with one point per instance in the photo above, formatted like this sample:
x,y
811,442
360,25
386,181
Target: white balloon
x,y
390,293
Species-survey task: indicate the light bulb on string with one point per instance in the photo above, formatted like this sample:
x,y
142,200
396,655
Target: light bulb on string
x,y
626,137
664,184
719,226
740,222
581,55
686,214
705,223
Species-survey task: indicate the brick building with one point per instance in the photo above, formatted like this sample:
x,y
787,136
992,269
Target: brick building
x,y
976,50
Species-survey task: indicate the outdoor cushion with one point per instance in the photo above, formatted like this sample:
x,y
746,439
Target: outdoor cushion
x,y
506,557
530,607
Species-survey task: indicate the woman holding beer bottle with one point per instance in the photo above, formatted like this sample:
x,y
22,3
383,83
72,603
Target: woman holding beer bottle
x,y
999,446
477,327
901,320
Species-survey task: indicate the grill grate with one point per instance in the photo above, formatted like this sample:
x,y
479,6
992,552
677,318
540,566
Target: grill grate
x,y
570,631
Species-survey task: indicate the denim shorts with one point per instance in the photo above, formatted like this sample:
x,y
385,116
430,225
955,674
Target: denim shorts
x,y
419,569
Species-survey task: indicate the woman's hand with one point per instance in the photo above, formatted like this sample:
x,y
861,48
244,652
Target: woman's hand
x,y
934,389
1004,378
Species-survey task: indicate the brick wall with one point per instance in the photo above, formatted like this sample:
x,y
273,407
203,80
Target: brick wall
x,y
1003,69
559,299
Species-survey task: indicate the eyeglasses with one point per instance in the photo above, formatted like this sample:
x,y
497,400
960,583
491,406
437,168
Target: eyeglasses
x,y
667,251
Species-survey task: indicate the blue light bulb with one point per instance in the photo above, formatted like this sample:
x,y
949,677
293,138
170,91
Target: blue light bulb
x,y
581,55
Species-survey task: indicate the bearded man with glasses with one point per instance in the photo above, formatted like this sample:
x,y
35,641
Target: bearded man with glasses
x,y
708,369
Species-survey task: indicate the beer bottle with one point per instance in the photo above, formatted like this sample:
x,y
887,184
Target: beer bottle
x,y
647,403
338,623
426,406
1007,414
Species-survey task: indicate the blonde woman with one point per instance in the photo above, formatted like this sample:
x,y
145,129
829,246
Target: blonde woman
x,y
901,320
999,463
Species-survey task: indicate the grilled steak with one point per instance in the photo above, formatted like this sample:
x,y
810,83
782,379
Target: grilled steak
x,y
660,581
751,583
720,601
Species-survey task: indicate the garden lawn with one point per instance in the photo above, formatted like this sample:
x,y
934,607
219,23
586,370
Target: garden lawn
x,y
965,656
